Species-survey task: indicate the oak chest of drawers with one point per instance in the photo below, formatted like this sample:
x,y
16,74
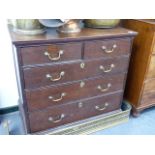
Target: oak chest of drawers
x,y
140,90
66,78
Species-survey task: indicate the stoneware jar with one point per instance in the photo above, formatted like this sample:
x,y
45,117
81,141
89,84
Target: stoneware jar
x,y
26,26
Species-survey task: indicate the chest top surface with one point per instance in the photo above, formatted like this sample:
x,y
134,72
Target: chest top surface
x,y
51,35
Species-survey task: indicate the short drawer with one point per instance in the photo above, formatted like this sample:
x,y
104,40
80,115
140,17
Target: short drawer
x,y
107,48
151,69
55,74
59,115
50,53
62,94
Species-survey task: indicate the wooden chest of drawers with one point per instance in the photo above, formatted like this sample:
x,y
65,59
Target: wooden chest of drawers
x,y
65,78
140,90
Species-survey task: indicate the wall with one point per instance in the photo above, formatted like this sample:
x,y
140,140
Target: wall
x,y
8,86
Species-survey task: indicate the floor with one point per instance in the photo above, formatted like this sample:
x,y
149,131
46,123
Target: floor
x,y
143,125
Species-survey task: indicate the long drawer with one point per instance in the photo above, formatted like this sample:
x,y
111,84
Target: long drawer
x,y
59,115
53,74
107,48
50,53
61,94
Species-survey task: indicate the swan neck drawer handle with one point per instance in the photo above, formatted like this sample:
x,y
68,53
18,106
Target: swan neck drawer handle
x,y
104,48
104,89
107,70
58,99
51,119
56,79
54,58
102,108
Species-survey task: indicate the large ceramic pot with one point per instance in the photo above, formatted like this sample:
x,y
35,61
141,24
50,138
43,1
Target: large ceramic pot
x,y
101,23
26,26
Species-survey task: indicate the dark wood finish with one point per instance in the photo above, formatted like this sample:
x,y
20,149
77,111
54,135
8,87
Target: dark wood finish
x,y
142,64
36,76
85,70
36,54
74,111
39,99
94,49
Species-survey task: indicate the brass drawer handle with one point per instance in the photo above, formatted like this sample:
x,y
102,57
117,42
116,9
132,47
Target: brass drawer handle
x,y
107,70
104,89
51,119
104,48
102,108
57,79
58,99
54,58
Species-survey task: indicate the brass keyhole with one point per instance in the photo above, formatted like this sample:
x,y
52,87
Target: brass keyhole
x,y
82,84
82,65
80,104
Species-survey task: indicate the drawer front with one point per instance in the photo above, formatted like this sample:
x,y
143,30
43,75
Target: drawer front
x,y
59,115
62,94
149,86
153,52
153,45
148,95
148,98
107,48
50,53
151,70
54,74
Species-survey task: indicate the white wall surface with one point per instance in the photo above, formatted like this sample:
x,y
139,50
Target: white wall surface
x,y
8,85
